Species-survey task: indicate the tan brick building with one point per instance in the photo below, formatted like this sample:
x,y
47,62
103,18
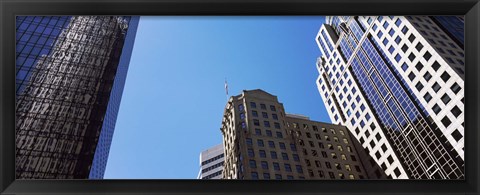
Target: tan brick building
x,y
263,142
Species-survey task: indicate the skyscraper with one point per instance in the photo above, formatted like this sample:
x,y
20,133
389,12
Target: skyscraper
x,y
263,142
70,77
397,84
211,163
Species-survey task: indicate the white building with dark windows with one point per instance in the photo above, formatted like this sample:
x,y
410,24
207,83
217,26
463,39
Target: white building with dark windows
x,y
211,163
397,83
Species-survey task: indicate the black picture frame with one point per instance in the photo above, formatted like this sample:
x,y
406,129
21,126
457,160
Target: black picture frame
x,y
10,8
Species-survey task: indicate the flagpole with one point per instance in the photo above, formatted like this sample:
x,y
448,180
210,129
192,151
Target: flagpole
x,y
226,88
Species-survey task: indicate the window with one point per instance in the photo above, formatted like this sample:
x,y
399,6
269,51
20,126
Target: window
x,y
457,135
345,140
328,165
332,175
446,121
404,66
347,167
266,123
334,156
265,115
262,153
276,166
427,56
295,157
288,168
397,172
274,116
273,154
258,132
244,125
254,175
263,107
269,133
293,147
253,104
264,165
242,115
324,154
456,111
256,122
240,107
436,109
279,134
427,76
398,57
252,164
282,146
398,39
445,76
391,32
390,159
284,156
411,38
289,176
455,88
272,108
278,176
379,34
249,141
299,168
419,46
353,158
419,66
419,86
271,144
436,87
427,97
435,66
411,57
338,166
385,41
251,153
445,99
260,143
277,125
411,76
266,175
254,113
391,49
340,148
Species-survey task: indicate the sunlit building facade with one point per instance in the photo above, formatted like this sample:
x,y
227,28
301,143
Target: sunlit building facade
x,y
211,163
397,83
263,142
70,73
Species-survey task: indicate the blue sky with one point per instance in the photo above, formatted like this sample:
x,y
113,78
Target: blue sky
x,y
174,95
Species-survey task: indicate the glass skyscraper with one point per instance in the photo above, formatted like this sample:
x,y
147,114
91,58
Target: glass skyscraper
x,y
397,84
70,73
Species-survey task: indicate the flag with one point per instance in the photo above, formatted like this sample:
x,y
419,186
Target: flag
x,y
226,86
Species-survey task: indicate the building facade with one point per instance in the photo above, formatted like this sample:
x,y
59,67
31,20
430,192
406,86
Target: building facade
x,y
263,142
397,84
211,163
70,76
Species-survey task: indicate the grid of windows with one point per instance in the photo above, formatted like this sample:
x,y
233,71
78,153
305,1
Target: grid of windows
x,y
389,94
60,62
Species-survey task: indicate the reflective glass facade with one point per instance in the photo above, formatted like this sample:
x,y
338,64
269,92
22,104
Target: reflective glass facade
x,y
394,122
66,69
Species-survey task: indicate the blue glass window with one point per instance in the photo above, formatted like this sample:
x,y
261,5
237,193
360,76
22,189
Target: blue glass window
x,y
398,57
398,22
